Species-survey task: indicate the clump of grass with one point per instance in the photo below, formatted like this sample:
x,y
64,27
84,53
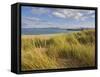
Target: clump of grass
x,y
64,50
86,36
27,44
36,59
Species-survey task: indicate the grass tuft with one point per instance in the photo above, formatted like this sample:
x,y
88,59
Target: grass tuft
x,y
60,51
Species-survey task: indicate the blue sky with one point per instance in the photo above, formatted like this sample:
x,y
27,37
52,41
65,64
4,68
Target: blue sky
x,y
40,17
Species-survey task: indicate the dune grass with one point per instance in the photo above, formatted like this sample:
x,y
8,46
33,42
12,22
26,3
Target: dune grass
x,y
69,50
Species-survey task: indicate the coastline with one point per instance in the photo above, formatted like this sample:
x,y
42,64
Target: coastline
x,y
42,35
48,35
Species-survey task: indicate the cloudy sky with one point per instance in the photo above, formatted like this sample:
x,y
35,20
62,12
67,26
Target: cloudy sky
x,y
40,17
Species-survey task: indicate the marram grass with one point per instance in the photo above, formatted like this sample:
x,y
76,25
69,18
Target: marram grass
x,y
69,50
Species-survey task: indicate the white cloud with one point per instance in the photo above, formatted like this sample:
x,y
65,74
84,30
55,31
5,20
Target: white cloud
x,y
68,13
28,22
33,22
59,14
73,13
78,16
39,10
64,13
90,12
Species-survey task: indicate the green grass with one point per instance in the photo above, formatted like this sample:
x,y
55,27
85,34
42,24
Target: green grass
x,y
60,51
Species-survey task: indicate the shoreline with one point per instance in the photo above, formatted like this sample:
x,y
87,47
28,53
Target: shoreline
x,y
42,35
46,35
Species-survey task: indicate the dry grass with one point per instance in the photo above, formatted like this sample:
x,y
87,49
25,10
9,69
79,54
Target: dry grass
x,y
58,51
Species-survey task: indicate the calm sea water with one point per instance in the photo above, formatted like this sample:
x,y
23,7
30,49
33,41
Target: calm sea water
x,y
37,31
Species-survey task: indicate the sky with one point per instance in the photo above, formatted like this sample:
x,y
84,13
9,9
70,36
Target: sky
x,y
44,17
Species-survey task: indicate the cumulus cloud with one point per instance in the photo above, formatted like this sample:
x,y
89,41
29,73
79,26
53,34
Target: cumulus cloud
x,y
75,14
66,14
72,13
59,14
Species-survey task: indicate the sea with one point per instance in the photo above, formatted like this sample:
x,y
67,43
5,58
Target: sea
x,y
38,31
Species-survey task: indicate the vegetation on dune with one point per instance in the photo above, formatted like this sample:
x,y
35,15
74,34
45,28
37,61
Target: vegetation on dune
x,y
60,51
